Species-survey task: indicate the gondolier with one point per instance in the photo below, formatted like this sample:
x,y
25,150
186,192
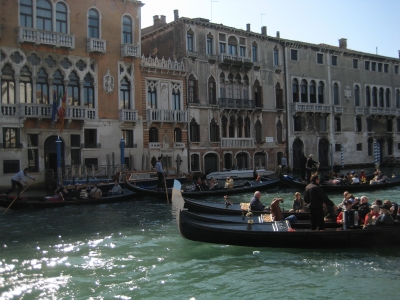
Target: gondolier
x,y
309,165
16,181
160,173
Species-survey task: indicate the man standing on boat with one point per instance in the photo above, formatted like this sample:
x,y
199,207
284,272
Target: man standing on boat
x,y
16,181
315,197
309,165
160,173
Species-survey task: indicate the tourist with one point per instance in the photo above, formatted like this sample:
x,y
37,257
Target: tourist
x,y
298,203
384,218
336,169
230,183
363,178
370,218
77,192
116,190
213,183
363,208
284,163
277,214
226,183
315,197
356,180
61,192
160,174
255,203
16,181
379,178
310,163
340,218
227,202
95,192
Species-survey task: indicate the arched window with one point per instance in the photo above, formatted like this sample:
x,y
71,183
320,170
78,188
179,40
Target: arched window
x,y
194,162
42,88
192,90
152,94
232,125
357,95
58,82
214,131
254,51
397,98
88,92
26,13
176,99
321,88
304,95
229,87
224,124
247,127
25,86
73,91
368,96
61,18
240,127
153,135
295,90
374,97
190,40
43,15
381,100
335,94
245,90
232,45
93,24
279,131
177,135
124,94
258,94
279,96
212,96
194,131
127,30
222,91
313,92
7,85
258,130
387,98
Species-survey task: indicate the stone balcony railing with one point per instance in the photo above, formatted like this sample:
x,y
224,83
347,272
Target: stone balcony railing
x,y
237,143
96,45
179,145
128,115
24,110
161,115
30,35
380,111
129,50
227,57
311,108
236,103
154,145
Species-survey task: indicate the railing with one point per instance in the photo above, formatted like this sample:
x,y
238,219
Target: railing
x,y
81,171
381,111
8,109
236,103
338,109
212,57
38,37
179,145
237,143
161,115
315,108
359,111
154,145
46,110
96,45
130,50
128,115
228,58
192,54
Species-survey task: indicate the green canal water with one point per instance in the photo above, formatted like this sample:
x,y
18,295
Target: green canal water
x,y
133,250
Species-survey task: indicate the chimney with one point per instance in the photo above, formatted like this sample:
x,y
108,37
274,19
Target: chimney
x,y
248,27
176,14
156,20
343,43
399,53
264,30
278,35
163,20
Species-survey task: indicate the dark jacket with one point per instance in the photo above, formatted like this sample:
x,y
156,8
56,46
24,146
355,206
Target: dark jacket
x,y
310,163
256,205
363,210
303,162
315,197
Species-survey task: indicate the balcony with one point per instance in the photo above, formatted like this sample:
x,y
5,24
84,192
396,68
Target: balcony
x,y
338,110
311,108
179,145
154,145
236,103
278,68
28,110
380,111
192,54
161,115
41,37
237,143
128,115
212,58
128,50
96,45
232,61
358,111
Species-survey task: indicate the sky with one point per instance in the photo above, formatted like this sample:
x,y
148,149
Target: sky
x,y
370,26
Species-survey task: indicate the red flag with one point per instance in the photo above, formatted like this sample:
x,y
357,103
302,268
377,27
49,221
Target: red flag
x,y
61,111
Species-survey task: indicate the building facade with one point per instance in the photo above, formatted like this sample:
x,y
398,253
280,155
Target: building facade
x,y
235,91
87,52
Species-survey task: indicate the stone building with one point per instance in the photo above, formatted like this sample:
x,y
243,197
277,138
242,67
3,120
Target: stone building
x,y
235,91
87,52
343,105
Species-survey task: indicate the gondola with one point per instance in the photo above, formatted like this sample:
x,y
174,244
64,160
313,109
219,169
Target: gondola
x,y
238,174
281,234
352,188
249,186
51,202
150,190
238,209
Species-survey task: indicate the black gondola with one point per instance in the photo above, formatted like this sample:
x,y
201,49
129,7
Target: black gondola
x,y
280,234
51,202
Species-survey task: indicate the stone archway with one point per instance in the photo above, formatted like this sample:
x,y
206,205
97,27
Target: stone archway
x,y
323,152
242,159
211,163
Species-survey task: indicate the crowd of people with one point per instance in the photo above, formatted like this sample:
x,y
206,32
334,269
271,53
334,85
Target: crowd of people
x,y
334,177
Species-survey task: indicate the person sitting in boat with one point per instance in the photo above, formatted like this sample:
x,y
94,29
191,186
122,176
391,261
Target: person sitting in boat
x,y
277,214
116,190
258,178
394,210
379,178
363,208
384,218
204,184
227,201
61,192
298,204
230,182
370,218
77,192
348,206
336,169
213,183
363,178
255,203
356,180
95,192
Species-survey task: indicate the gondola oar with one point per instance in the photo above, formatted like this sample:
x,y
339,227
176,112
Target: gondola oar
x,y
15,199
166,190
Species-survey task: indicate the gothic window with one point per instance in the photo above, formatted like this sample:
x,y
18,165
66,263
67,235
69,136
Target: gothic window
x,y
192,90
313,96
254,53
387,98
335,94
381,100
258,131
240,127
212,97
374,97
222,92
190,41
214,131
7,85
25,86
61,18
94,24
304,95
295,90
276,57
88,93
152,94
176,97
224,124
279,131
357,95
232,125
58,82
124,94
258,94
194,131
320,92
127,30
43,15
247,127
210,44
26,13
367,96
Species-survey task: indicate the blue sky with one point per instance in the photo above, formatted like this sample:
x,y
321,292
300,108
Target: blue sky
x,y
369,26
